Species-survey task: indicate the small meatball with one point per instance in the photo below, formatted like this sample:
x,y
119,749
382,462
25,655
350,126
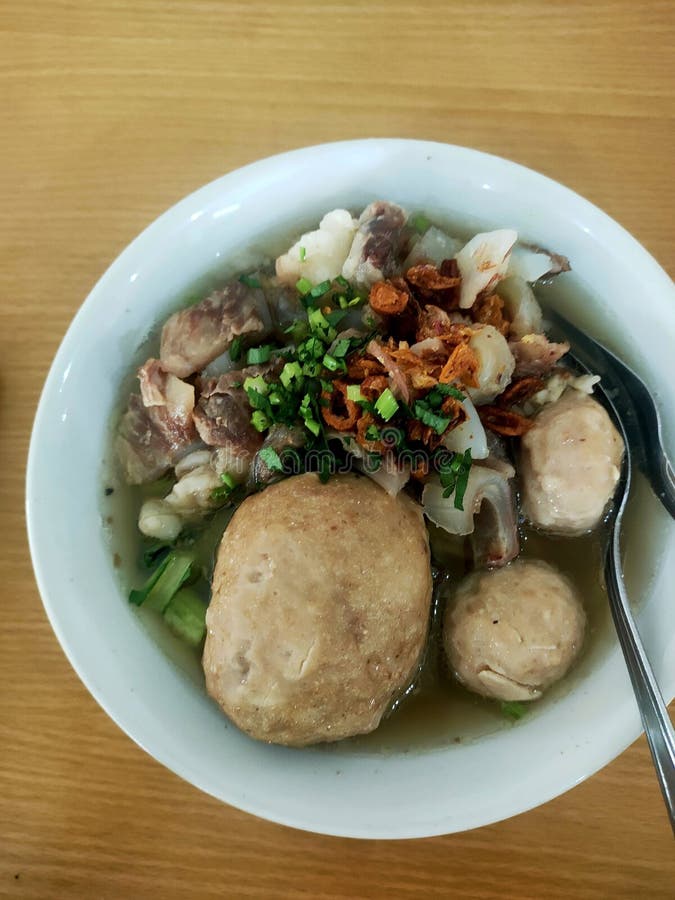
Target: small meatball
x,y
319,255
510,633
496,364
374,251
314,626
194,337
570,465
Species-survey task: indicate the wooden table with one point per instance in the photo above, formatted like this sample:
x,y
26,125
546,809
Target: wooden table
x,y
113,110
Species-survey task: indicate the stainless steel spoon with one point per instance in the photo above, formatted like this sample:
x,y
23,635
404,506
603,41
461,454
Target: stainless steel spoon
x,y
629,403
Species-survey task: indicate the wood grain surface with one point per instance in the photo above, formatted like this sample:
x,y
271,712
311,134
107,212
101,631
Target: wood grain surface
x,y
112,111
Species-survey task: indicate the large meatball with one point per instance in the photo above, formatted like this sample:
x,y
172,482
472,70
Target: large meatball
x,y
570,464
510,633
319,611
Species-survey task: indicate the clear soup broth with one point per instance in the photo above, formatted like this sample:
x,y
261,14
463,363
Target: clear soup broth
x,y
436,710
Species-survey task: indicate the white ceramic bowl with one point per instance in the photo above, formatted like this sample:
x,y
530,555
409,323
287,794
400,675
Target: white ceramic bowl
x,y
326,790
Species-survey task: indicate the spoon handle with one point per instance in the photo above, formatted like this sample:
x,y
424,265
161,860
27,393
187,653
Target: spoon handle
x,y
655,718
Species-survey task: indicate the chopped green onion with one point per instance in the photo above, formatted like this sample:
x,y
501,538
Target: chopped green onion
x,y
257,384
235,349
303,286
298,331
512,709
313,426
354,393
303,254
291,372
386,405
336,316
373,433
271,459
258,355
320,289
311,369
312,348
185,615
333,364
342,281
341,348
326,386
420,223
228,480
250,281
317,320
344,303
259,420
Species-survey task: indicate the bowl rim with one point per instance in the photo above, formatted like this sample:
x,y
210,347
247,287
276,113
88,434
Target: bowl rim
x,y
630,730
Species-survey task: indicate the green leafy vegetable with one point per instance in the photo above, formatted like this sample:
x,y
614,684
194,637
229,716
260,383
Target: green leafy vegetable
x,y
155,552
164,581
512,709
185,614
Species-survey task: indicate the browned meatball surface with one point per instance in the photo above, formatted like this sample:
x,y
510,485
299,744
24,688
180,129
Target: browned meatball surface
x,y
320,609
